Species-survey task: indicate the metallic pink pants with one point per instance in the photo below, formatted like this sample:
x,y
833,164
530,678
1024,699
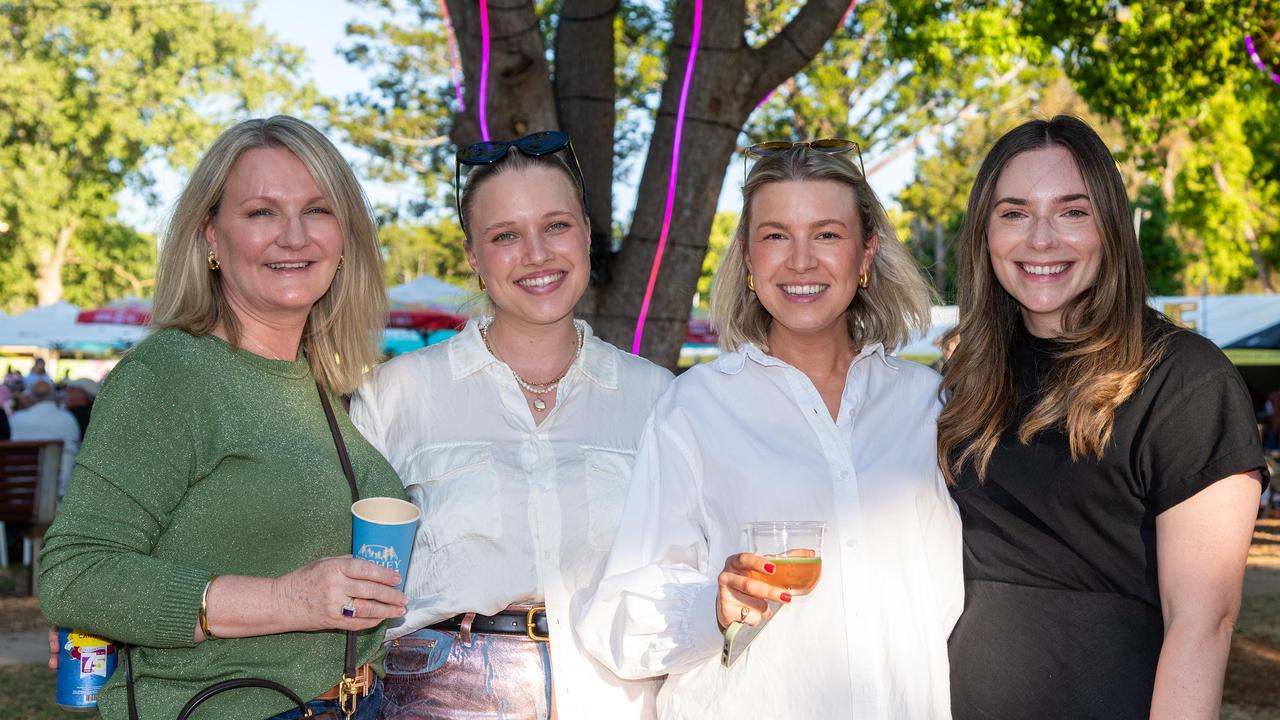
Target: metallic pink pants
x,y
434,675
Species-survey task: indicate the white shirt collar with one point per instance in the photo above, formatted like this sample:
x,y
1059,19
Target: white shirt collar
x,y
732,363
468,355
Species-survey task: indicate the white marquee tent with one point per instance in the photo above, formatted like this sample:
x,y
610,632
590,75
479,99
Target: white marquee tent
x,y
55,327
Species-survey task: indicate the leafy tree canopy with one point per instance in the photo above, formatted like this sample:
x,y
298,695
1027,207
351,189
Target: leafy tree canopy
x,y
91,93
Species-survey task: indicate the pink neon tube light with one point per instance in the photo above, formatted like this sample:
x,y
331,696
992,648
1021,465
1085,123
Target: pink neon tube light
x,y
484,70
455,64
673,175
848,11
1257,60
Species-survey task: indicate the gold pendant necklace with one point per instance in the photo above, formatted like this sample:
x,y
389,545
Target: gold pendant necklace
x,y
541,389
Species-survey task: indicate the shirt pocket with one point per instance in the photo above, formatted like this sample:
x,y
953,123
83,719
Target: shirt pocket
x,y
457,489
608,476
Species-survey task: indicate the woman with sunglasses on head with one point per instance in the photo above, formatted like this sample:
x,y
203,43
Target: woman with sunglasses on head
x,y
1105,461
516,439
805,417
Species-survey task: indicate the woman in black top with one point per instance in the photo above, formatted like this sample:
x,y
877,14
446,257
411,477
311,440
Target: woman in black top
x,y
1105,462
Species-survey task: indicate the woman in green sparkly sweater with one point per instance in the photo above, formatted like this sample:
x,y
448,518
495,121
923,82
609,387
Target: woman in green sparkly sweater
x,y
207,523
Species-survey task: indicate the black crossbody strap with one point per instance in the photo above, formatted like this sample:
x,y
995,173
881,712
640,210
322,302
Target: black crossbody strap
x,y
349,657
128,683
349,660
343,457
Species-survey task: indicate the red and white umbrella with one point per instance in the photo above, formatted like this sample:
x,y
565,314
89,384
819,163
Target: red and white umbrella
x,y
127,311
407,316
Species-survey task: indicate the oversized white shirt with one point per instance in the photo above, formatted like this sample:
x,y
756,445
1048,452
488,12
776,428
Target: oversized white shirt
x,y
746,438
46,421
514,512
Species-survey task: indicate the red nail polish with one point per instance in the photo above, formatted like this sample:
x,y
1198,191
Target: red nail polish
x,y
786,597
770,567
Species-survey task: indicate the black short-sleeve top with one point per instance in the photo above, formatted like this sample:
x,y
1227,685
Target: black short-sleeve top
x,y
1042,520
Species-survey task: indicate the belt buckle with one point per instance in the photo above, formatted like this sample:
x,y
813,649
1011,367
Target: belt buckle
x,y
354,687
531,628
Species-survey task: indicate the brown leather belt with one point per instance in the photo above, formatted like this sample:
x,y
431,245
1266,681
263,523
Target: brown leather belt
x,y
364,682
529,621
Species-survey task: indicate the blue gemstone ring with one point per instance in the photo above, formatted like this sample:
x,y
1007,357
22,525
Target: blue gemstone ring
x,y
349,610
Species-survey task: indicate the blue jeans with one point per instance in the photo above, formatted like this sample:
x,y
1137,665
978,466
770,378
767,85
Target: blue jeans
x,y
366,709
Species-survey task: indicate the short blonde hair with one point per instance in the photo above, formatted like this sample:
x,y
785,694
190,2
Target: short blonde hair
x,y
897,298
343,333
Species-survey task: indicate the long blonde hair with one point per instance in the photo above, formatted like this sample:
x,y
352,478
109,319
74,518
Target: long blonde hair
x,y
896,299
343,331
1112,340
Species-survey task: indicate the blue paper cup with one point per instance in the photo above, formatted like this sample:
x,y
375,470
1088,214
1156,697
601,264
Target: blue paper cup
x,y
382,531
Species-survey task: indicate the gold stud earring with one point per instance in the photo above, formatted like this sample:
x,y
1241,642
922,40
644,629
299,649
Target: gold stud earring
x,y
751,282
864,280
480,281
339,262
212,261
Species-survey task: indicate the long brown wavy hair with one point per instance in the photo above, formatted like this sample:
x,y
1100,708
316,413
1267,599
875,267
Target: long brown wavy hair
x,y
1111,338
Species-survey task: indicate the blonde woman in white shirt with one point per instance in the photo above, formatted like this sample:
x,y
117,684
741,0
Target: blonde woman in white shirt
x,y
516,439
805,417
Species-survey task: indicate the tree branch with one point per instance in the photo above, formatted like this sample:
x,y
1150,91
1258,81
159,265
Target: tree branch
x,y
795,45
585,92
410,142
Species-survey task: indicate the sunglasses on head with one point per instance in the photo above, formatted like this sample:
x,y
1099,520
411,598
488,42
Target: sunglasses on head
x,y
829,146
489,152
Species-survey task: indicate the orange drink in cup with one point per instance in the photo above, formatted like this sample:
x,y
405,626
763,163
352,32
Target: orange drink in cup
x,y
795,549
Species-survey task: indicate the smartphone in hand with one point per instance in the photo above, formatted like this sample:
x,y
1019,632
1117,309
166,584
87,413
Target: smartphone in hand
x,y
738,636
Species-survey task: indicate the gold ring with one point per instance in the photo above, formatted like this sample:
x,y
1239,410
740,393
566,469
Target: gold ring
x,y
743,616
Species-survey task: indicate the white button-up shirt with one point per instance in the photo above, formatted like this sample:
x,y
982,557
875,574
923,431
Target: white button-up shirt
x,y
749,438
46,421
514,512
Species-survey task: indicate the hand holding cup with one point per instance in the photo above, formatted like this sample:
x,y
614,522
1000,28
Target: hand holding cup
x,y
313,596
743,596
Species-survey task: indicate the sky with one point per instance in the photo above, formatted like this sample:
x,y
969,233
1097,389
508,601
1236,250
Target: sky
x,y
317,26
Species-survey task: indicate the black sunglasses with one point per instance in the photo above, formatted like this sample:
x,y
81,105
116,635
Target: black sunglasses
x,y
489,152
829,146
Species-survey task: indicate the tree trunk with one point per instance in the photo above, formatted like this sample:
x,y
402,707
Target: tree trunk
x,y
729,80
49,274
585,91
518,97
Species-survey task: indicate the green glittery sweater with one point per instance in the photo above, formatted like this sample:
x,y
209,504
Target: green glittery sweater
x,y
203,461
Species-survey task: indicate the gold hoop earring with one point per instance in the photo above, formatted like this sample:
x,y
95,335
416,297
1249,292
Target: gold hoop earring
x,y
339,262
864,280
212,261
751,282
480,282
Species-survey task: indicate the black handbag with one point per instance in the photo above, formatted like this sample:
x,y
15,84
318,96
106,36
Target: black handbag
x,y
347,689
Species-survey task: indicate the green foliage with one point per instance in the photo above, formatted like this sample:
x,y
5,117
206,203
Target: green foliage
x,y
896,76
1200,118
1162,259
1170,88
722,229
435,249
403,122
91,93
1150,63
405,119
108,261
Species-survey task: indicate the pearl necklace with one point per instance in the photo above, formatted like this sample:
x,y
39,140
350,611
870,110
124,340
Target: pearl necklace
x,y
543,388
